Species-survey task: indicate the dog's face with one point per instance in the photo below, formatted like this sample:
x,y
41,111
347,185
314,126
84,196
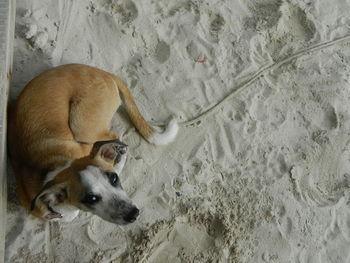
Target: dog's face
x,y
91,184
103,195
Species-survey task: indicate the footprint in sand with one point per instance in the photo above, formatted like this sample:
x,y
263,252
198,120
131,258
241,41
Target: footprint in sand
x,y
193,51
340,222
322,179
285,25
284,223
197,51
108,234
162,52
217,22
330,117
126,9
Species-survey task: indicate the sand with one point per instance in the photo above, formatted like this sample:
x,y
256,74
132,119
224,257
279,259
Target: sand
x,y
262,177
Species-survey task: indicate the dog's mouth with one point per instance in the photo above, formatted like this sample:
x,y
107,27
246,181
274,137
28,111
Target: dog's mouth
x,y
52,214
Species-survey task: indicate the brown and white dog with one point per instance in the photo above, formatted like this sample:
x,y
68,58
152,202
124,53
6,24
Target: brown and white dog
x,y
64,156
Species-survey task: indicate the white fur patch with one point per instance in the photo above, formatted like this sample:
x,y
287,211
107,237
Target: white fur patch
x,y
167,136
92,178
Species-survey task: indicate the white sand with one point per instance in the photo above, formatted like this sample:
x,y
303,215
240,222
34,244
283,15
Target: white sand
x,y
264,178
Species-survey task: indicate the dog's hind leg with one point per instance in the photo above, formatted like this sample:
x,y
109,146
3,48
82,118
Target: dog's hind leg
x,y
91,111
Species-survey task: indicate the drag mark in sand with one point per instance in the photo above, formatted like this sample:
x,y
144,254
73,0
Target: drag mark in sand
x,y
198,120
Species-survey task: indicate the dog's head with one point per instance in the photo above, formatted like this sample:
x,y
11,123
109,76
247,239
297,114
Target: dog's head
x,y
91,184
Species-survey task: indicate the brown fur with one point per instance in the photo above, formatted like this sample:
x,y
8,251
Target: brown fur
x,y
57,117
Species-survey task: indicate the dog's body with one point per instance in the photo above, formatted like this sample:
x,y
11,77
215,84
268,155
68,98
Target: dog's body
x,y
53,128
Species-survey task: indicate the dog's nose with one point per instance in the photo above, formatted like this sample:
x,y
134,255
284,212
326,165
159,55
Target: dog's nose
x,y
133,214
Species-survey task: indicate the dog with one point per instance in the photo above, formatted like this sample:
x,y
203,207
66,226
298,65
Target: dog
x,y
64,156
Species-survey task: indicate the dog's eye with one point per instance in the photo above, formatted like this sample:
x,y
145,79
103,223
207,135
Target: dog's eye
x,y
113,178
91,199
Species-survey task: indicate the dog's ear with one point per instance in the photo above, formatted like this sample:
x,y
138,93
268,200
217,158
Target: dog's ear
x,y
50,195
109,151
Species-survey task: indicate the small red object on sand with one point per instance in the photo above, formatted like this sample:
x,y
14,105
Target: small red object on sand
x,y
202,60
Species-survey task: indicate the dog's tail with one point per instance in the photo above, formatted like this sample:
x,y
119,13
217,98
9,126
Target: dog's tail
x,y
143,127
